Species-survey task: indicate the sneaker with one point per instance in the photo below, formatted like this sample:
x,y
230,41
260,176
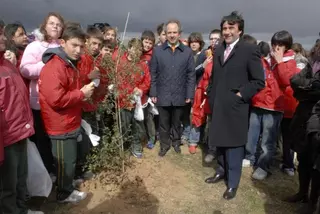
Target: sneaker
x,y
246,163
150,145
209,158
75,197
192,149
288,171
259,174
35,212
137,154
53,177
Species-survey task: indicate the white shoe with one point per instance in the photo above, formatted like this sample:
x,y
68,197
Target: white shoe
x,y
259,174
246,163
75,197
35,212
288,171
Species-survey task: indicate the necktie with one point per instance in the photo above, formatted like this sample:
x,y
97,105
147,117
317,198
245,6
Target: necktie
x,y
227,52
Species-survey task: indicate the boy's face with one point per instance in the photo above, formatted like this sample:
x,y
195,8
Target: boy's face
x,y
73,47
94,46
106,51
147,45
277,48
2,40
195,46
162,37
214,37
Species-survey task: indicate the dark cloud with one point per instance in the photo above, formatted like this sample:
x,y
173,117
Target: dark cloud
x,y
261,17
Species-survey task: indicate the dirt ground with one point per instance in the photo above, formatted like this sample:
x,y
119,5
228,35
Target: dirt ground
x,y
175,185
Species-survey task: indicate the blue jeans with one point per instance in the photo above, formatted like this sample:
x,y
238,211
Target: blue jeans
x,y
265,123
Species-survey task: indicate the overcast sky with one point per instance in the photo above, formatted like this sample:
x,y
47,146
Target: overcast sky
x,y
262,18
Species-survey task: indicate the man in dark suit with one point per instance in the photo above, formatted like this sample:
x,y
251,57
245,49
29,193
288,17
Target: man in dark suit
x,y
237,76
173,79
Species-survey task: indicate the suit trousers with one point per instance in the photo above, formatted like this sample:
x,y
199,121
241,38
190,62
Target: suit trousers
x,y
170,125
230,164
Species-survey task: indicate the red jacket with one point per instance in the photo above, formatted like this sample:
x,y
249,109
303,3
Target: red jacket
x,y
60,95
129,78
16,121
85,66
199,113
277,77
146,56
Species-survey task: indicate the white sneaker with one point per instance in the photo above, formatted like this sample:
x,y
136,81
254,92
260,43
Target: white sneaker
x,y
75,197
288,171
259,174
35,212
246,163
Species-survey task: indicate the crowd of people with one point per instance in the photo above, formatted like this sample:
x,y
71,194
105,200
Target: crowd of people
x,y
238,99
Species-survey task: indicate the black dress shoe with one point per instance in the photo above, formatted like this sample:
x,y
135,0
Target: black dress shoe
x,y
163,152
177,149
215,179
230,193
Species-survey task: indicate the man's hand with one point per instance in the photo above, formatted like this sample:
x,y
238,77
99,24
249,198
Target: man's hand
x,y
87,90
94,74
137,91
154,99
188,100
10,56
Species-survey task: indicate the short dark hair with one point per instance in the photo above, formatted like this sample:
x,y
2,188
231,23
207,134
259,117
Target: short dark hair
x,y
232,19
160,28
249,39
148,34
282,38
109,44
196,37
215,31
72,31
93,32
134,42
264,48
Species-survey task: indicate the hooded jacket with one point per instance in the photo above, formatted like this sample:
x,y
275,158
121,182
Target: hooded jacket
x,y
16,121
60,95
277,77
31,65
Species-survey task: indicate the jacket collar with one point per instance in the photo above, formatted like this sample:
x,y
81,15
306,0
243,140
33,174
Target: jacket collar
x,y
180,46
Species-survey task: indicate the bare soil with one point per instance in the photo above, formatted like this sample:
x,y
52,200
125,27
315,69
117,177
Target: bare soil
x,y
175,184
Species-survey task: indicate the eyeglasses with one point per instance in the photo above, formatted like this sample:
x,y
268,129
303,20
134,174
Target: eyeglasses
x,y
55,24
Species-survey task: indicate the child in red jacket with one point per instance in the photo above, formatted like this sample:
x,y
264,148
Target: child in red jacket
x,y
133,78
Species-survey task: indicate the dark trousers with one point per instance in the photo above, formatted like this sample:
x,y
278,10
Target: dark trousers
x,y
170,124
286,143
315,186
65,156
149,124
230,164
13,179
305,169
42,141
132,130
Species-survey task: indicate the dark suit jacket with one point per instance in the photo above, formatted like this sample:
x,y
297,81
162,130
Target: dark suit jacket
x,y
242,72
173,75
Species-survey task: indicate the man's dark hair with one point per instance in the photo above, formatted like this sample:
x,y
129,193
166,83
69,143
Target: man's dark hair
x,y
232,19
71,32
249,39
148,34
100,26
215,31
282,38
196,37
93,32
264,48
160,28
